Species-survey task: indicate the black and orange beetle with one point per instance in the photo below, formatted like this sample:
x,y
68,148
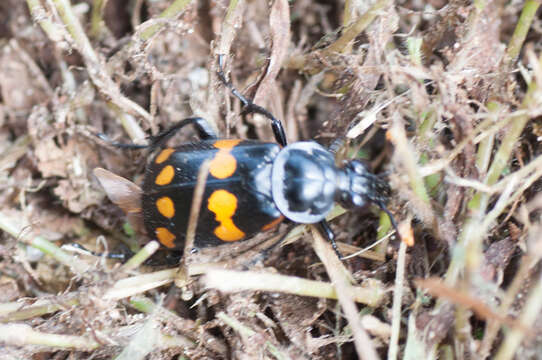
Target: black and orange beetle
x,y
251,187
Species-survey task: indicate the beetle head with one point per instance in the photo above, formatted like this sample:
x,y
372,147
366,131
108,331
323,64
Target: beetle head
x,y
360,187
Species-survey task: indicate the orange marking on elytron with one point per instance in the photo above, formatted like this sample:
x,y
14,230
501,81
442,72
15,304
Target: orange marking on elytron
x,y
165,237
224,204
165,206
223,164
165,176
164,155
273,223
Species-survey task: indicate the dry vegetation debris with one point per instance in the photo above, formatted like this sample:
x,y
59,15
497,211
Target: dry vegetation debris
x,y
443,97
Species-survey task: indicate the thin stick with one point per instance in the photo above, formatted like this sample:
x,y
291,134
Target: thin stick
x,y
337,274
397,298
235,281
195,208
142,255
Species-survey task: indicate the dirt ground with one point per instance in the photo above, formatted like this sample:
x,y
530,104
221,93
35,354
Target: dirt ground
x,y
440,99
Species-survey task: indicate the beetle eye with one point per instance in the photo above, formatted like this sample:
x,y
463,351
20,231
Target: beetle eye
x,y
358,167
357,200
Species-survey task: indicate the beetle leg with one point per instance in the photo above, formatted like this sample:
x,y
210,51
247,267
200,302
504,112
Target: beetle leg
x,y
383,207
330,236
130,146
123,256
336,145
250,107
205,131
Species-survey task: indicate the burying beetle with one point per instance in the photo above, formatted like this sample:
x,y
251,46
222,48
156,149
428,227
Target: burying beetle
x,y
251,187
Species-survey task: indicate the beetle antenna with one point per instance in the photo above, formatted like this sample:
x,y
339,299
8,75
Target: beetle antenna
x,y
392,219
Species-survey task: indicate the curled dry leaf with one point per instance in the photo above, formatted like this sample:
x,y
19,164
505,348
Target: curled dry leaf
x,y
279,22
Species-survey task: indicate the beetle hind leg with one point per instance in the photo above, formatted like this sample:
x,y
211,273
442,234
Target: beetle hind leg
x,y
250,107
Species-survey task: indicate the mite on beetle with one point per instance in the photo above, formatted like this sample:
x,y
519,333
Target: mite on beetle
x,y
251,187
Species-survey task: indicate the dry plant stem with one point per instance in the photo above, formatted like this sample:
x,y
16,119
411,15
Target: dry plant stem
x,y
40,16
336,272
23,335
526,172
139,284
342,43
508,199
182,278
235,281
408,159
95,68
16,229
96,20
492,326
171,13
520,32
470,239
414,45
247,332
128,122
76,30
485,149
196,205
348,17
530,312
17,311
452,178
348,13
393,349
232,19
356,28
483,131
135,261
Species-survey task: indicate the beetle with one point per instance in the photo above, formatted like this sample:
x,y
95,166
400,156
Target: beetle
x,y
252,186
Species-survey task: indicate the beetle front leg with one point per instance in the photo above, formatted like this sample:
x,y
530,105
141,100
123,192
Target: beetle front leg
x,y
330,236
250,107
